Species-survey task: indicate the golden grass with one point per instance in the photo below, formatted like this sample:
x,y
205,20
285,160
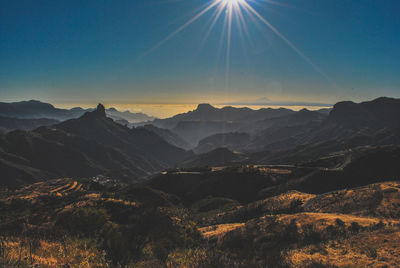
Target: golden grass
x,y
379,199
321,220
219,230
51,254
58,189
74,184
371,249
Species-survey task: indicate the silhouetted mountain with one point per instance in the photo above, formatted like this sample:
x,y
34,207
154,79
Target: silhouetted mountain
x,y
129,116
36,110
9,124
168,136
349,119
207,120
302,117
90,145
362,166
206,112
232,141
324,111
265,132
194,131
348,124
217,157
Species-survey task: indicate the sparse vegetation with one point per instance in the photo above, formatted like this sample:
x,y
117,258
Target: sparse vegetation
x,y
93,224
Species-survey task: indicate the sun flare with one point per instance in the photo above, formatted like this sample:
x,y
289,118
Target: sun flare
x,y
231,2
242,13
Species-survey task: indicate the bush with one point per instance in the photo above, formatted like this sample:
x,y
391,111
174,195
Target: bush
x,y
340,223
354,227
371,252
83,221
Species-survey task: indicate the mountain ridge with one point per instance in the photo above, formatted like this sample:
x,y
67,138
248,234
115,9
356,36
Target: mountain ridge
x,y
87,146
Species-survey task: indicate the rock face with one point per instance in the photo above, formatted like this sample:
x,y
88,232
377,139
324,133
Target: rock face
x,y
101,111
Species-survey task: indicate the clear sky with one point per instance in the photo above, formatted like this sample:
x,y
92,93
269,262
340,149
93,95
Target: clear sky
x,y
76,52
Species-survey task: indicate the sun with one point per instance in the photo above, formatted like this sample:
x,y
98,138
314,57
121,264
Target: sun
x,y
231,2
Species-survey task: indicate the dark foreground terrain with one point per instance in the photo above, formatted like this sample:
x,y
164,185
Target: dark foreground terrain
x,y
337,211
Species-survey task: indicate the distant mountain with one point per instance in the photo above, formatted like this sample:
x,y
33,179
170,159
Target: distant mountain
x,y
168,136
207,120
128,116
324,111
368,117
206,112
230,140
90,145
373,122
194,131
36,110
9,124
298,118
217,157
261,133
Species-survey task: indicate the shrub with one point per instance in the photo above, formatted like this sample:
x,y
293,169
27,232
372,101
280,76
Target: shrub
x,y
354,227
340,223
82,221
371,252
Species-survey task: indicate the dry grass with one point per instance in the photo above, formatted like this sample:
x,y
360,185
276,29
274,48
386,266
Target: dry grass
x,y
321,220
17,253
379,199
370,249
219,230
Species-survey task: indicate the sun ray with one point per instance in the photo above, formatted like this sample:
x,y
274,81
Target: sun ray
x,y
290,44
219,11
180,29
228,45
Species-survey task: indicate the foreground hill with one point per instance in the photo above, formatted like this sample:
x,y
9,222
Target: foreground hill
x,y
90,145
212,218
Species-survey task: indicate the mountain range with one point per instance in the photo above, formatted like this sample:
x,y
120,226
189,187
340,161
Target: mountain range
x,y
355,124
34,109
87,146
95,144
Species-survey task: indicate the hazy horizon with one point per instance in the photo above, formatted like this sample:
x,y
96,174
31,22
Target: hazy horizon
x,y
169,110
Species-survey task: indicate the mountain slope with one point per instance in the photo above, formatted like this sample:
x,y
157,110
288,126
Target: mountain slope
x,y
217,157
348,125
9,124
206,112
257,135
231,141
207,120
90,145
168,136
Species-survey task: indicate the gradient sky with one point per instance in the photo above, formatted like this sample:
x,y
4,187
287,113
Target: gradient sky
x,y
75,52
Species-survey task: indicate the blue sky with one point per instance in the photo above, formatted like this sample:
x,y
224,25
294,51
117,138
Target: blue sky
x,y
90,51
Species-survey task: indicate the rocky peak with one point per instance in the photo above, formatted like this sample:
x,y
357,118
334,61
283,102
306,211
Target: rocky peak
x,y
205,107
100,110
